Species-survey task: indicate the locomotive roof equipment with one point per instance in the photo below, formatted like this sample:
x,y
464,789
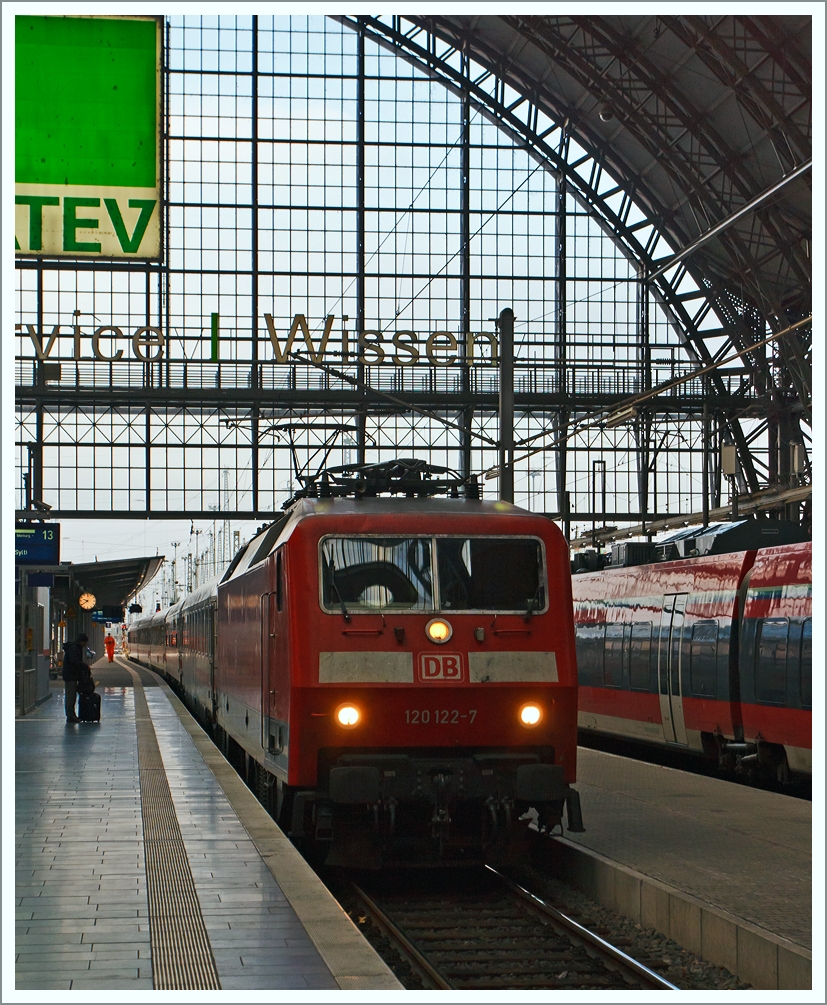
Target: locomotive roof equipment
x,y
407,476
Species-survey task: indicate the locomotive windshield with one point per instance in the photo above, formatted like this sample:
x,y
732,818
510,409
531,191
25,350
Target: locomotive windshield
x,y
490,574
494,574
377,573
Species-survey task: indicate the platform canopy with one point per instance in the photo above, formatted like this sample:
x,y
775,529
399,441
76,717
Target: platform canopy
x,y
115,583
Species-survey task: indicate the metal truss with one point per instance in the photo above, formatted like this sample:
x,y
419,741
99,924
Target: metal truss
x,y
164,439
762,273
693,154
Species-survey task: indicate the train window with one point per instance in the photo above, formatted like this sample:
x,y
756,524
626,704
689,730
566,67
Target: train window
x,y
490,574
364,574
279,580
614,647
771,661
589,641
806,665
703,659
640,653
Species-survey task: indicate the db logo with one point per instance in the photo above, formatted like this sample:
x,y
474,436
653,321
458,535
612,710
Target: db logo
x,y
440,666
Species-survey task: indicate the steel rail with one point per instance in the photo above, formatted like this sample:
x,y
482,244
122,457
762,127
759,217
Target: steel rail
x,y
409,951
615,958
576,930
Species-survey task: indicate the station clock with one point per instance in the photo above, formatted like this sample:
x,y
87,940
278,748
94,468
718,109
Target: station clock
x,y
87,601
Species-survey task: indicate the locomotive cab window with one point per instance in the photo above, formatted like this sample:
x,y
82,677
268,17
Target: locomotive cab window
x,y
491,574
376,573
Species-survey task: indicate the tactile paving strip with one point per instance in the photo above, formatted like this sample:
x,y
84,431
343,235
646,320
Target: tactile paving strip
x,y
181,956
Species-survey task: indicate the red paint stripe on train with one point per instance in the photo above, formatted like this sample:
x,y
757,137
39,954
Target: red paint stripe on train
x,y
792,726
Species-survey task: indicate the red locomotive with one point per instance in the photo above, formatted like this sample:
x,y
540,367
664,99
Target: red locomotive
x,y
712,654
397,675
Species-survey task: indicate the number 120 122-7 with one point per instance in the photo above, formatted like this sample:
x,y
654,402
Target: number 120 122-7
x,y
439,716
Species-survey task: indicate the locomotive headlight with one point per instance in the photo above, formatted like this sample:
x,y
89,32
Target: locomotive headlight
x,y
348,716
438,631
531,714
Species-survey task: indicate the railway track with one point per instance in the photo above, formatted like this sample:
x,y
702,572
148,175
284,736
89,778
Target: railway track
x,y
483,932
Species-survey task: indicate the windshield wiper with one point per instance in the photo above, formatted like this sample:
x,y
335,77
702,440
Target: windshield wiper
x,y
331,575
530,609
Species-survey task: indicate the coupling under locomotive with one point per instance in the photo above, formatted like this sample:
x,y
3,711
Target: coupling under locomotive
x,y
397,675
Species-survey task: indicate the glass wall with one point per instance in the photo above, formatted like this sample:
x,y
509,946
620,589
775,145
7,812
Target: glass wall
x,y
312,172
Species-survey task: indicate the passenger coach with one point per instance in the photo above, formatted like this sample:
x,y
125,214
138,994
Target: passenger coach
x,y
711,654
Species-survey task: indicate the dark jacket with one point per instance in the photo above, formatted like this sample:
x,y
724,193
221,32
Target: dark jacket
x,y
74,666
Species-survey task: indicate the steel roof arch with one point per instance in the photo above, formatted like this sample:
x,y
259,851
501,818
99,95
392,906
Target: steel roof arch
x,y
737,275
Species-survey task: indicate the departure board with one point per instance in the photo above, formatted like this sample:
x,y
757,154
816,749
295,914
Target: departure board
x,y
37,543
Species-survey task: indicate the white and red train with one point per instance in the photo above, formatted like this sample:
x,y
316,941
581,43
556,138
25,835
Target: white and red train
x,y
396,675
713,654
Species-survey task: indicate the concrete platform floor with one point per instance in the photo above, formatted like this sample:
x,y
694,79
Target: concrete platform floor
x,y
83,921
742,850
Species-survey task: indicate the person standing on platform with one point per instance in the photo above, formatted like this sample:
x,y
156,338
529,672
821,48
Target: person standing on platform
x,y
75,668
109,645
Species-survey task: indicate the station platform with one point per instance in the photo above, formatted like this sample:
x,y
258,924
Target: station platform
x,y
144,862
744,851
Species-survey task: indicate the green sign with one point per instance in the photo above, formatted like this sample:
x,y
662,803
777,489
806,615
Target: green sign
x,y
87,128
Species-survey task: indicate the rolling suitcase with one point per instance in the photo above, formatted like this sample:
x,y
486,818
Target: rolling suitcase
x,y
89,707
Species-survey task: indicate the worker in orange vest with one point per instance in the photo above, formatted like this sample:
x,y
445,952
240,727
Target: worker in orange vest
x,y
109,644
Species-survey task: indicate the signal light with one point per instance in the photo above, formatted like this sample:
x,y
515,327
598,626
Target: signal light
x,y
438,631
348,716
530,714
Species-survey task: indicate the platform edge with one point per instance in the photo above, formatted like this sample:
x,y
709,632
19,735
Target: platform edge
x,y
353,962
761,958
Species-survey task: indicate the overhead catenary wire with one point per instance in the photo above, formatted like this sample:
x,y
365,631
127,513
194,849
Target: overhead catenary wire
x,y
479,229
599,419
409,211
362,386
578,427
